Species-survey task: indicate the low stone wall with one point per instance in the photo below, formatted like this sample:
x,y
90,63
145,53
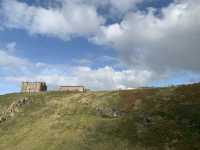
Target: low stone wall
x,y
72,88
13,108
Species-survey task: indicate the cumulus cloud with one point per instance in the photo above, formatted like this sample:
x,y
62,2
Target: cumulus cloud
x,y
15,70
108,78
151,43
11,47
72,19
168,41
105,78
95,79
7,60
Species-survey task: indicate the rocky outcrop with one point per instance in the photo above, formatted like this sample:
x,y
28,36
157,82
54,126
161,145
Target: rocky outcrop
x,y
13,108
108,112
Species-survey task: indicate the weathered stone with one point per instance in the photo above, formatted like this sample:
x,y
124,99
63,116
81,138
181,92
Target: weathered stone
x,y
28,87
72,88
108,112
13,108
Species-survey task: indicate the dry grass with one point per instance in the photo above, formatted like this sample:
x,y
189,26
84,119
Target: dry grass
x,y
155,119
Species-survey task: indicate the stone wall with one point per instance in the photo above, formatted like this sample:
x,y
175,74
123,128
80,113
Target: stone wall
x,y
13,109
33,87
72,88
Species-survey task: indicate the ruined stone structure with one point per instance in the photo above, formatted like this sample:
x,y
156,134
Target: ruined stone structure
x,y
72,88
33,87
13,109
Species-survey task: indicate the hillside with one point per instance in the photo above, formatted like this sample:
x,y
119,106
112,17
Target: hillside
x,y
142,119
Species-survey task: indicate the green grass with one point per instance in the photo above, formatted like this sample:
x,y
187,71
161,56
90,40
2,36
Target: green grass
x,y
153,119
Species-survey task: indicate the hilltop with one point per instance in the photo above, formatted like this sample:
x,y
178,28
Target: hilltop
x,y
140,119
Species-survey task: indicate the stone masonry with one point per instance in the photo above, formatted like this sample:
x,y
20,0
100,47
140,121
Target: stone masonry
x,y
33,87
72,88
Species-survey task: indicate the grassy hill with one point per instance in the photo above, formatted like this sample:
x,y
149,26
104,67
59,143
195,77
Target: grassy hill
x,y
142,119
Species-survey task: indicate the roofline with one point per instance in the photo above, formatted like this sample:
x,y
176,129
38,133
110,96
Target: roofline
x,y
32,82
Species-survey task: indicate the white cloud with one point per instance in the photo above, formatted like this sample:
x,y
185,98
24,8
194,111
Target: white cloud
x,y
72,19
95,79
152,45
11,47
15,70
168,42
8,60
108,78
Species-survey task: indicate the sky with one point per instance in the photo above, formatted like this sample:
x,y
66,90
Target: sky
x,y
103,45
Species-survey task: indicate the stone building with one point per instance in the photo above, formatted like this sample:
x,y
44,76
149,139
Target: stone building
x,y
33,87
72,88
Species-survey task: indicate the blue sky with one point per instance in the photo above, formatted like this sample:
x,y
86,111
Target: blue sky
x,y
104,44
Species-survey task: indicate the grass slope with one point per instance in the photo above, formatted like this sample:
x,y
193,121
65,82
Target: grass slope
x,y
150,119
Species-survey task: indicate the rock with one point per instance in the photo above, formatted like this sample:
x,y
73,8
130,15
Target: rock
x,y
2,119
13,108
15,105
108,112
